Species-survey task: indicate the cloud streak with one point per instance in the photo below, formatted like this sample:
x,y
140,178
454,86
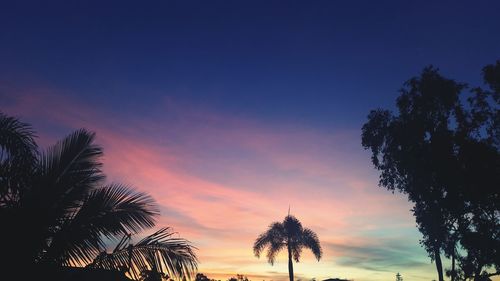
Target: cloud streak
x,y
382,255
222,179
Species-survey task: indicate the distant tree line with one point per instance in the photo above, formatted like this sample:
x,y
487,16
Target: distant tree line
x,y
238,277
442,149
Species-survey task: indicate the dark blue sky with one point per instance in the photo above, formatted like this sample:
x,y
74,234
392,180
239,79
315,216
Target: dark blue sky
x,y
322,63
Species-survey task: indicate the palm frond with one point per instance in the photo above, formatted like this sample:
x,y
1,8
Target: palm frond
x,y
274,239
274,248
296,251
260,243
159,252
265,239
67,172
17,138
106,212
124,241
310,240
18,158
71,168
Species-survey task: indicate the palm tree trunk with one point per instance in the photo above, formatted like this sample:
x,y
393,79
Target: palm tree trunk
x,y
290,264
439,265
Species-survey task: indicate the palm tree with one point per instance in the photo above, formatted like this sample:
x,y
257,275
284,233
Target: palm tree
x,y
54,206
291,235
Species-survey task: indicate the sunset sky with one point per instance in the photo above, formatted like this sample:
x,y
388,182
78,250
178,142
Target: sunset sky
x,y
229,112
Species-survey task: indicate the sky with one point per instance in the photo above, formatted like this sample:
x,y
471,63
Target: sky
x,y
230,112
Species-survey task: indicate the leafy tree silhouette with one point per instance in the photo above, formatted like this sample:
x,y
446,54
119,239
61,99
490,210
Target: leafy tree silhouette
x,y
56,210
201,277
288,234
239,277
445,157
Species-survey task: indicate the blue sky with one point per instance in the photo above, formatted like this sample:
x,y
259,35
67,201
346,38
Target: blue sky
x,y
323,62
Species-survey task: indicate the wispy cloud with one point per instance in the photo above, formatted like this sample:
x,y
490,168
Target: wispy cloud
x,y
385,255
222,179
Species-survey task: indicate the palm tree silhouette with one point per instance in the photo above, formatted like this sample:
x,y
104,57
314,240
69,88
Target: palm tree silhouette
x,y
288,234
155,256
55,208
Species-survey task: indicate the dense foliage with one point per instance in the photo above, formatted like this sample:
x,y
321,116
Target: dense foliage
x,y
443,151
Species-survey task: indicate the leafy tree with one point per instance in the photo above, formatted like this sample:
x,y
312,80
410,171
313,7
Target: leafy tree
x,y
480,233
291,235
410,147
54,207
152,275
201,277
445,157
239,277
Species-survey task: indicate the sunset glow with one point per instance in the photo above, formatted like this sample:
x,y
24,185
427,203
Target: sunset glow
x,y
220,180
232,114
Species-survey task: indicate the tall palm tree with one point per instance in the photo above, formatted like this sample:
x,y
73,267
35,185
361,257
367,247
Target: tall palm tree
x,y
54,206
288,234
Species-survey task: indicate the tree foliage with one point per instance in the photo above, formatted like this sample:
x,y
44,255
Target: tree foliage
x,y
239,277
443,153
202,277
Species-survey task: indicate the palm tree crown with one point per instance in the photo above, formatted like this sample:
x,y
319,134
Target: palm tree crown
x,y
55,208
288,234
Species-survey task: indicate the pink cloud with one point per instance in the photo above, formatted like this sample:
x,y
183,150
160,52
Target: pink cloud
x,y
221,180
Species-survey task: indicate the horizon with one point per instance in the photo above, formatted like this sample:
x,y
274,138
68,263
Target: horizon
x,y
228,114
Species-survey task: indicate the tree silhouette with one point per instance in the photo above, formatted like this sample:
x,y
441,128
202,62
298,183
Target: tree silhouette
x,y
288,234
445,157
159,255
480,231
54,207
239,277
410,147
201,277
